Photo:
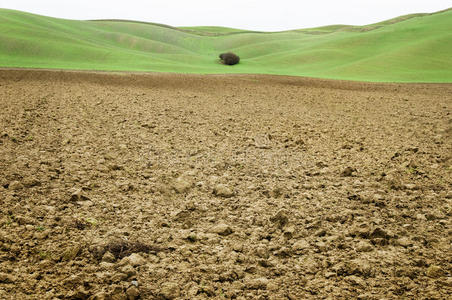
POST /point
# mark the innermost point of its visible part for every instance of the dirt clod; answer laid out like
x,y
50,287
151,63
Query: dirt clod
x,y
71,253
15,185
222,190
7,278
257,283
170,290
434,271
121,248
348,172
132,293
134,260
182,185
77,195
280,219
364,246
222,229
108,257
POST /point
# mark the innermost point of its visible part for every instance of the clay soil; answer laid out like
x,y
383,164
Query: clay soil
x,y
164,186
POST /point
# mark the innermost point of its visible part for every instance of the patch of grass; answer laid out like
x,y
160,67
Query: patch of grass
x,y
44,254
91,221
40,228
414,48
9,218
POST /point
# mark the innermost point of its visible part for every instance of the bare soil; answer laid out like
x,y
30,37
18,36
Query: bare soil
x,y
164,186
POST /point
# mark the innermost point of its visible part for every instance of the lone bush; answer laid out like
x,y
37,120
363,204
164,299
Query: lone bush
x,y
229,58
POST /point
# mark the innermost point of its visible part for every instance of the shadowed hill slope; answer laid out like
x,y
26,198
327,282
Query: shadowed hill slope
x,y
413,48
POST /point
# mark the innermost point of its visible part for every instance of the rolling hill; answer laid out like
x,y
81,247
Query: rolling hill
x,y
412,48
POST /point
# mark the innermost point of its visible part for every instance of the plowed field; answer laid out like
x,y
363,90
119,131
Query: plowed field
x,y
164,186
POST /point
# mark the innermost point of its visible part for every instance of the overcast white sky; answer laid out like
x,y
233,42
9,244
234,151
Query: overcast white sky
x,y
246,14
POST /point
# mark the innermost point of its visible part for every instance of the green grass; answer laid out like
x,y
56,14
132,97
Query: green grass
x,y
413,48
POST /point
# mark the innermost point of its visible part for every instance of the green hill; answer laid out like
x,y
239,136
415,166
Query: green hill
x,y
413,48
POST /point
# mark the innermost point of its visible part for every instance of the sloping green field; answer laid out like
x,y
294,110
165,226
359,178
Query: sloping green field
x,y
414,48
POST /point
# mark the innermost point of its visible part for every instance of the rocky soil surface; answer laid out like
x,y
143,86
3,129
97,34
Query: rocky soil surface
x,y
164,186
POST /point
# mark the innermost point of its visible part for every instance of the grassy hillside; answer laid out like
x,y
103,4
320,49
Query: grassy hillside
x,y
213,30
414,48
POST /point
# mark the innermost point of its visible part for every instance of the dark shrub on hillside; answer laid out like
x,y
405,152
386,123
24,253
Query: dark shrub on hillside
x,y
229,58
